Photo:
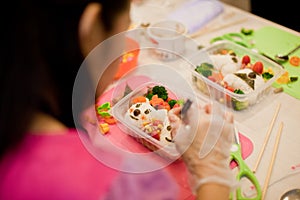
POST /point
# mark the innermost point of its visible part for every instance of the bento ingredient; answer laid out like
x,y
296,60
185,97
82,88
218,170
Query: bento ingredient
x,y
205,69
159,103
139,99
172,103
278,90
158,90
246,59
151,121
110,120
239,105
258,67
267,75
295,61
104,128
246,31
293,78
103,109
284,78
242,80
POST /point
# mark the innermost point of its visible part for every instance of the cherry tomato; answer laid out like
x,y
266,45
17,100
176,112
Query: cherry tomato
x,y
246,59
258,67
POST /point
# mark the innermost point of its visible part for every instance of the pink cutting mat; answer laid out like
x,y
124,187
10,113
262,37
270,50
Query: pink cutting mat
x,y
126,142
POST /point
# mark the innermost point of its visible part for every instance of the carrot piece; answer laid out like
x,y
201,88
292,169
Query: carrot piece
x,y
166,106
110,120
295,61
139,99
156,100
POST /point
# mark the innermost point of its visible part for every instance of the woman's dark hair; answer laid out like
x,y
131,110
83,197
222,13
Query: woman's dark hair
x,y
39,59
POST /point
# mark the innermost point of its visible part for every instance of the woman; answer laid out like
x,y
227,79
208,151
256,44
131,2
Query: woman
x,y
42,157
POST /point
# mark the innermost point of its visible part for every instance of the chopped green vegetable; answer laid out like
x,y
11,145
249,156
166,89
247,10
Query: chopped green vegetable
x,y
246,31
239,105
103,109
172,103
149,96
293,78
267,75
205,69
180,101
105,105
104,114
160,91
238,91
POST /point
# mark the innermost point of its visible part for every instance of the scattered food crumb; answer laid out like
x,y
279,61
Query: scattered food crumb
x,y
278,90
104,128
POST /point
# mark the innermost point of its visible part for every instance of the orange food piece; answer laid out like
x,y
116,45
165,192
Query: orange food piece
x,y
295,61
104,128
166,105
159,103
139,99
217,76
110,120
284,78
156,100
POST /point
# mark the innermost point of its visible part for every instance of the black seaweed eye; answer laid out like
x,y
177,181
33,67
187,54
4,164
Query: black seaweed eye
x,y
147,111
138,105
136,112
252,75
234,59
169,128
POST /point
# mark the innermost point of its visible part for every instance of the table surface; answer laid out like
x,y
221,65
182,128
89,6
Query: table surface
x,y
254,123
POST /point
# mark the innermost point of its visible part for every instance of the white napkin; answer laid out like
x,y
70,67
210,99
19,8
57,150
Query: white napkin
x,y
196,13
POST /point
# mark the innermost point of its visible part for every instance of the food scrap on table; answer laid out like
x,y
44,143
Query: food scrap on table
x,y
285,78
104,128
104,117
295,61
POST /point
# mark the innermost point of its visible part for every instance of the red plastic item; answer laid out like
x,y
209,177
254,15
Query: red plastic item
x,y
129,58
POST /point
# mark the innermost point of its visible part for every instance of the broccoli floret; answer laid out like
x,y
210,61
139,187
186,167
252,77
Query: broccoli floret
x,y
172,103
205,69
149,96
160,91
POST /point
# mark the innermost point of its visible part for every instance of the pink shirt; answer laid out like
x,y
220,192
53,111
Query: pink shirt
x,y
59,167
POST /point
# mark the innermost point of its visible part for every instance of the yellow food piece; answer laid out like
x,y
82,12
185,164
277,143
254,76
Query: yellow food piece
x,y
269,69
284,78
104,128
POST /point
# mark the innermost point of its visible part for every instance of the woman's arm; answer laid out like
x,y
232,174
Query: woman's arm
x,y
213,191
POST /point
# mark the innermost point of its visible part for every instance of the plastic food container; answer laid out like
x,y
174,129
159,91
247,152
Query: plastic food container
x,y
218,89
119,110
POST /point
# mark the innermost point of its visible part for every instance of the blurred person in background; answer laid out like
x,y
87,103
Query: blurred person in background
x,y
285,13
41,154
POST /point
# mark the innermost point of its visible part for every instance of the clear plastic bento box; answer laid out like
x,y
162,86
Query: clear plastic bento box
x,y
144,122
233,74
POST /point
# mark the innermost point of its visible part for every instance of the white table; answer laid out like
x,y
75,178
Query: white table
x,y
254,123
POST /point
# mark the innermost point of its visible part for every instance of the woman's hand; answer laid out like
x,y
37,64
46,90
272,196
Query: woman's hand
x,y
204,139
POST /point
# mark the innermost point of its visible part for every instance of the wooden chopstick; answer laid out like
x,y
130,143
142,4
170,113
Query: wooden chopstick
x,y
272,161
205,31
266,138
